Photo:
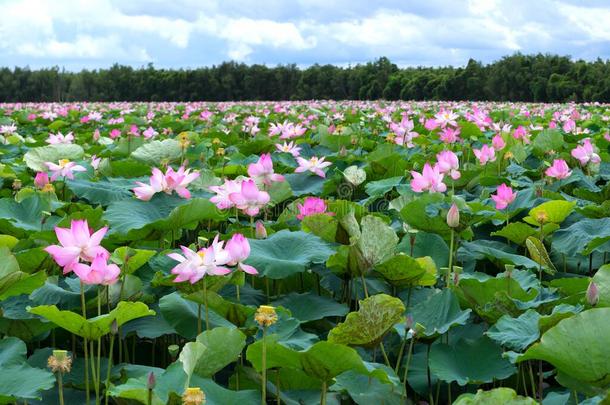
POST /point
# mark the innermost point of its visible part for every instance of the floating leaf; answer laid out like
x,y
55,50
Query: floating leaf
x,y
440,312
516,333
156,152
309,306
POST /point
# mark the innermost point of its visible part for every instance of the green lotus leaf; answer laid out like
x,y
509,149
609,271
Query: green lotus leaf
x,y
375,317
516,333
439,313
578,347
505,396
93,328
155,152
552,211
310,307
287,253
36,158
470,362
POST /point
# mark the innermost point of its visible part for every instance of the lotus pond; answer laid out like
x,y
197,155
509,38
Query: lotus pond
x,y
304,253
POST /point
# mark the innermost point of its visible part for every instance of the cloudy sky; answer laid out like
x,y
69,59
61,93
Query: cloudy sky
x,y
188,33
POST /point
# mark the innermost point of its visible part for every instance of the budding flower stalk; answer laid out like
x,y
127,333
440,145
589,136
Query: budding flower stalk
x,y
592,294
453,216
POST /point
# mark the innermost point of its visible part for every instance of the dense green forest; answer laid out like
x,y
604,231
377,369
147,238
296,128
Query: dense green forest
x,y
541,78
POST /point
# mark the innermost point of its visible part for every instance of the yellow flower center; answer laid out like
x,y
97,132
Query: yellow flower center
x,y
63,162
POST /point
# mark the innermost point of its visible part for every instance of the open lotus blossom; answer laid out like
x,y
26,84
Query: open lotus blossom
x,y
179,180
64,168
262,170
504,196
221,199
586,153
156,184
239,250
558,170
150,133
404,132
99,272
193,266
431,124
431,179
521,133
249,199
172,180
313,165
485,154
59,138
311,206
288,148
76,242
450,135
447,162
446,117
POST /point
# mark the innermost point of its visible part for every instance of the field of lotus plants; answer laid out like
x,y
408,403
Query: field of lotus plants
x,y
304,253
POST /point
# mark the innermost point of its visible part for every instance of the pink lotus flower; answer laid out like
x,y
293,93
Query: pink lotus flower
x,y
221,199
586,153
311,206
404,132
446,117
179,180
262,171
65,169
156,184
559,169
431,179
170,181
498,142
249,199
313,165
77,242
41,180
450,135
431,124
521,133
95,162
115,133
260,230
98,272
239,250
196,265
447,162
485,154
503,197
60,138
288,148
149,133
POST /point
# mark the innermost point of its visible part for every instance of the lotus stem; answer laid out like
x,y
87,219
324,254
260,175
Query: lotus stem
x,y
109,367
264,369
450,268
205,301
323,394
85,343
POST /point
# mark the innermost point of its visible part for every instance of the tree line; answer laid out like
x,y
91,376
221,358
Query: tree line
x,y
538,78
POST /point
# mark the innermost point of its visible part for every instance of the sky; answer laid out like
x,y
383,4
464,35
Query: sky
x,y
189,33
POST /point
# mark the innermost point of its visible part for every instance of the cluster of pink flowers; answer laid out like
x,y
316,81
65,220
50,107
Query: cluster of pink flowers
x,y
172,180
80,251
212,260
431,177
286,130
586,153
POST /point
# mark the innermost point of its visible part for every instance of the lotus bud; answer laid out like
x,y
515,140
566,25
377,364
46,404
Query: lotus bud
x,y
265,316
193,396
453,216
260,231
342,151
60,362
409,321
114,327
592,294
151,381
354,175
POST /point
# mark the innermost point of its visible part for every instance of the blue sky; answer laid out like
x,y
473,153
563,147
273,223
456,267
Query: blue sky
x,y
188,33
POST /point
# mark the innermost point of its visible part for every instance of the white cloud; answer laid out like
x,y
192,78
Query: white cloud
x,y
190,32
